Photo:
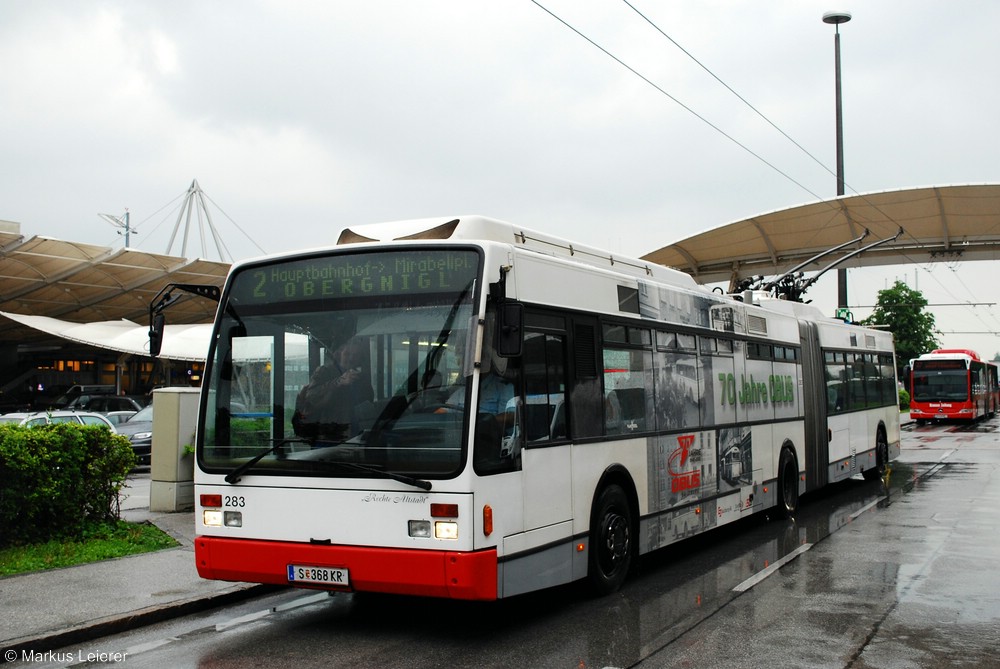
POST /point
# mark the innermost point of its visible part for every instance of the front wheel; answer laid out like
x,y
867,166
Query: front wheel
x,y
612,541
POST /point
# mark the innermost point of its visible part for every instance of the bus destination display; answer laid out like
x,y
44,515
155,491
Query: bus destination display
x,y
358,275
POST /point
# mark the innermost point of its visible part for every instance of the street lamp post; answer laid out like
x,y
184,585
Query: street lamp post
x,y
836,18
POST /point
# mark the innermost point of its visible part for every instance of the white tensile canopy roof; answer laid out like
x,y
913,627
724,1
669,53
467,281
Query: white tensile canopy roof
x,y
86,283
100,296
180,342
951,223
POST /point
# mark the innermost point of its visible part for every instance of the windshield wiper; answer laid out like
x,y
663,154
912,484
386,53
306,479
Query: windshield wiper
x,y
402,478
234,476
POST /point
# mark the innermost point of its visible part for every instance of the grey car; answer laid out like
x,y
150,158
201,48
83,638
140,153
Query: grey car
x,y
139,430
118,417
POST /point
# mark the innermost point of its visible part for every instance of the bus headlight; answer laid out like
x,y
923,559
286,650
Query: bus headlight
x,y
420,529
446,529
443,529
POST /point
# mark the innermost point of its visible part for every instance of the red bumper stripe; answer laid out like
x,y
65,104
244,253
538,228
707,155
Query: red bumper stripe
x,y
395,570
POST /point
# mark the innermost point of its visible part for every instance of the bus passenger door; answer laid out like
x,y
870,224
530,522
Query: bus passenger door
x,y
541,549
546,462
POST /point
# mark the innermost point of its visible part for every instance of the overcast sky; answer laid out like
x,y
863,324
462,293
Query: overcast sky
x,y
297,118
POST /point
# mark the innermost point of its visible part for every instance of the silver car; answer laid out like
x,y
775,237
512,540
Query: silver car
x,y
50,417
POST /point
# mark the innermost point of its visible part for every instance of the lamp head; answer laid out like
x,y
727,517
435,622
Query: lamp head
x,y
836,18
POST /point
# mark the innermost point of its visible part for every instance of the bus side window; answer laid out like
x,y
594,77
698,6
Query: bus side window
x,y
836,382
498,421
498,435
544,406
628,380
585,401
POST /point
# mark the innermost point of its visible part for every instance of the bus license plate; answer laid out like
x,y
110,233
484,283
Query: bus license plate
x,y
325,575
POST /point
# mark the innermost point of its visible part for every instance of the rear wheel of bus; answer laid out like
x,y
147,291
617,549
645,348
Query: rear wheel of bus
x,y
881,458
612,540
788,484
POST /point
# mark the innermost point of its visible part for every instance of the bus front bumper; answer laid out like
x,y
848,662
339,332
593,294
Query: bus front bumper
x,y
455,575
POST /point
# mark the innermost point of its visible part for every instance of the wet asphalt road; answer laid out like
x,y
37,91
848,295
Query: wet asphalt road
x,y
866,576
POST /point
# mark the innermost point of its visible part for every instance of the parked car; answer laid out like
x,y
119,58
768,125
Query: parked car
x,y
119,417
77,391
103,403
139,430
49,417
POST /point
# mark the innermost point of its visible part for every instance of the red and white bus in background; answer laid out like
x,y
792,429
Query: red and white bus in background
x,y
952,384
533,412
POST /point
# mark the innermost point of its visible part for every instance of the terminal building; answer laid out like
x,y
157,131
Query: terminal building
x,y
55,282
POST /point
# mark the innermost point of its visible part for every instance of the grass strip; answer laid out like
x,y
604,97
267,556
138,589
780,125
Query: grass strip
x,y
100,542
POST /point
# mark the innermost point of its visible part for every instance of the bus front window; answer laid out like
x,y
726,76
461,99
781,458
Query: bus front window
x,y
941,386
348,384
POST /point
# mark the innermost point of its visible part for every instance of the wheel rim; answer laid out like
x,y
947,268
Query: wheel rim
x,y
615,538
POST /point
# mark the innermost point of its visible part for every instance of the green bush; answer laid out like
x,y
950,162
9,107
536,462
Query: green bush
x,y
56,481
904,399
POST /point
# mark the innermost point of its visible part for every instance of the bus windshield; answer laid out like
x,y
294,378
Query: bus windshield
x,y
345,364
940,385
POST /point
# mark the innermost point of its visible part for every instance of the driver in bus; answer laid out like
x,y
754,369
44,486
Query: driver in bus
x,y
496,391
497,441
324,407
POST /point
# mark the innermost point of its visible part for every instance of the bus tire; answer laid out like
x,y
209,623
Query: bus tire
x,y
788,484
881,458
612,540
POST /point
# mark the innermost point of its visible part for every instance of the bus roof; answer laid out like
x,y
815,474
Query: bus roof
x,y
955,351
952,352
481,228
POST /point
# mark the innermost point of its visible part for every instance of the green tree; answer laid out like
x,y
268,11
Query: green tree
x,y
902,311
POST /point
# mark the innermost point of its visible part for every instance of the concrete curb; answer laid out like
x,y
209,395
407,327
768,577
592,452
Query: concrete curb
x,y
128,621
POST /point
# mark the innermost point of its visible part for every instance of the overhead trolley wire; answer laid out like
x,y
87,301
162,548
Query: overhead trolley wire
x,y
676,100
704,120
767,120
730,89
707,122
732,139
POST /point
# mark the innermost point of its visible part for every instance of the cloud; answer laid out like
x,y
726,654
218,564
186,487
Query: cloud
x,y
312,115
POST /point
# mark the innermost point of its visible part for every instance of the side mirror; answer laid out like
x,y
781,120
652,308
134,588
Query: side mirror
x,y
156,334
164,299
510,329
